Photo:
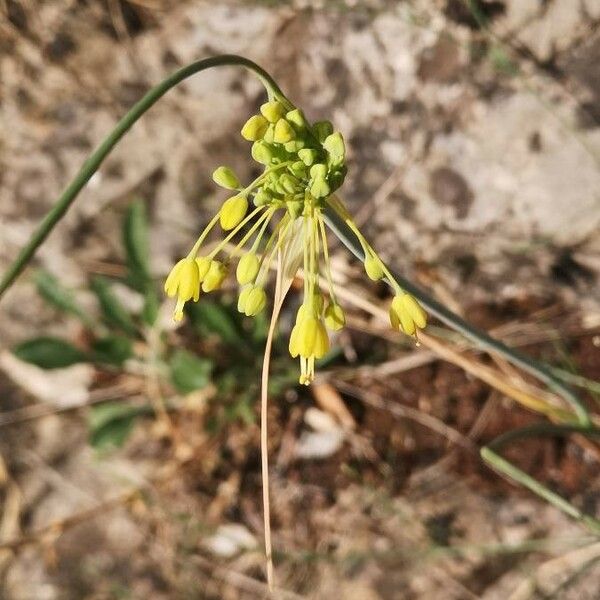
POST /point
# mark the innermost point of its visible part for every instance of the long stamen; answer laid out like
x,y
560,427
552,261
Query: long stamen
x,y
263,220
265,265
203,235
342,212
326,258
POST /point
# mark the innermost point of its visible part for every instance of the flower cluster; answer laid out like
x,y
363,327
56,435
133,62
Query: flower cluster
x,y
304,165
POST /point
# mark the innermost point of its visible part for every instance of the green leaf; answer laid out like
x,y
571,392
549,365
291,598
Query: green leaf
x,y
189,372
110,424
137,246
51,290
112,349
49,353
151,306
213,317
114,312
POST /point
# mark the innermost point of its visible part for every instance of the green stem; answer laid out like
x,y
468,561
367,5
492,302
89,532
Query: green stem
x,y
93,163
480,338
492,457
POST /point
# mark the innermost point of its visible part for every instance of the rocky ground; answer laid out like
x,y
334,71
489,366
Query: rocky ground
x,y
474,166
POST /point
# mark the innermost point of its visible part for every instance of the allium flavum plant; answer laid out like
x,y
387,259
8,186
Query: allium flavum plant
x,y
304,165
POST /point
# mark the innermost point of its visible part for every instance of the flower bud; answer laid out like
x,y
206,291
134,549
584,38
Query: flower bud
x,y
294,146
318,171
322,129
335,319
255,128
296,118
255,301
320,188
414,309
308,156
272,111
233,211
226,178
283,132
247,268
215,276
298,169
262,197
203,263
243,297
334,144
269,136
373,267
262,152
288,183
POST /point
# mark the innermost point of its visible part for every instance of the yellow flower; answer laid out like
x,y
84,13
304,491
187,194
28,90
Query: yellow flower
x,y
215,276
406,314
310,341
184,282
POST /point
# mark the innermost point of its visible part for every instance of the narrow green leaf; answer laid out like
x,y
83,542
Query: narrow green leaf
x,y
51,290
213,317
112,349
110,424
49,353
114,312
151,306
137,246
189,372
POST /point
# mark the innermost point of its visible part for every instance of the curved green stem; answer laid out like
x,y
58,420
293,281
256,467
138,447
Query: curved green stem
x,y
93,163
480,338
490,455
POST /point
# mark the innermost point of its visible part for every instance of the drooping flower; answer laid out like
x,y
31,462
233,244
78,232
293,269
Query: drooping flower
x,y
283,209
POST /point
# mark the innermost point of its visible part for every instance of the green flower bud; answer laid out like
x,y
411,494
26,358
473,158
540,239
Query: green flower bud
x,y
247,268
226,178
255,128
262,152
296,118
334,144
308,156
373,267
294,146
320,188
284,132
255,301
215,276
337,176
272,111
288,183
322,129
318,171
335,318
262,197
233,211
298,169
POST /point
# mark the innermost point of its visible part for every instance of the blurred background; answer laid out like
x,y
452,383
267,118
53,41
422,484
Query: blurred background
x,y
129,448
